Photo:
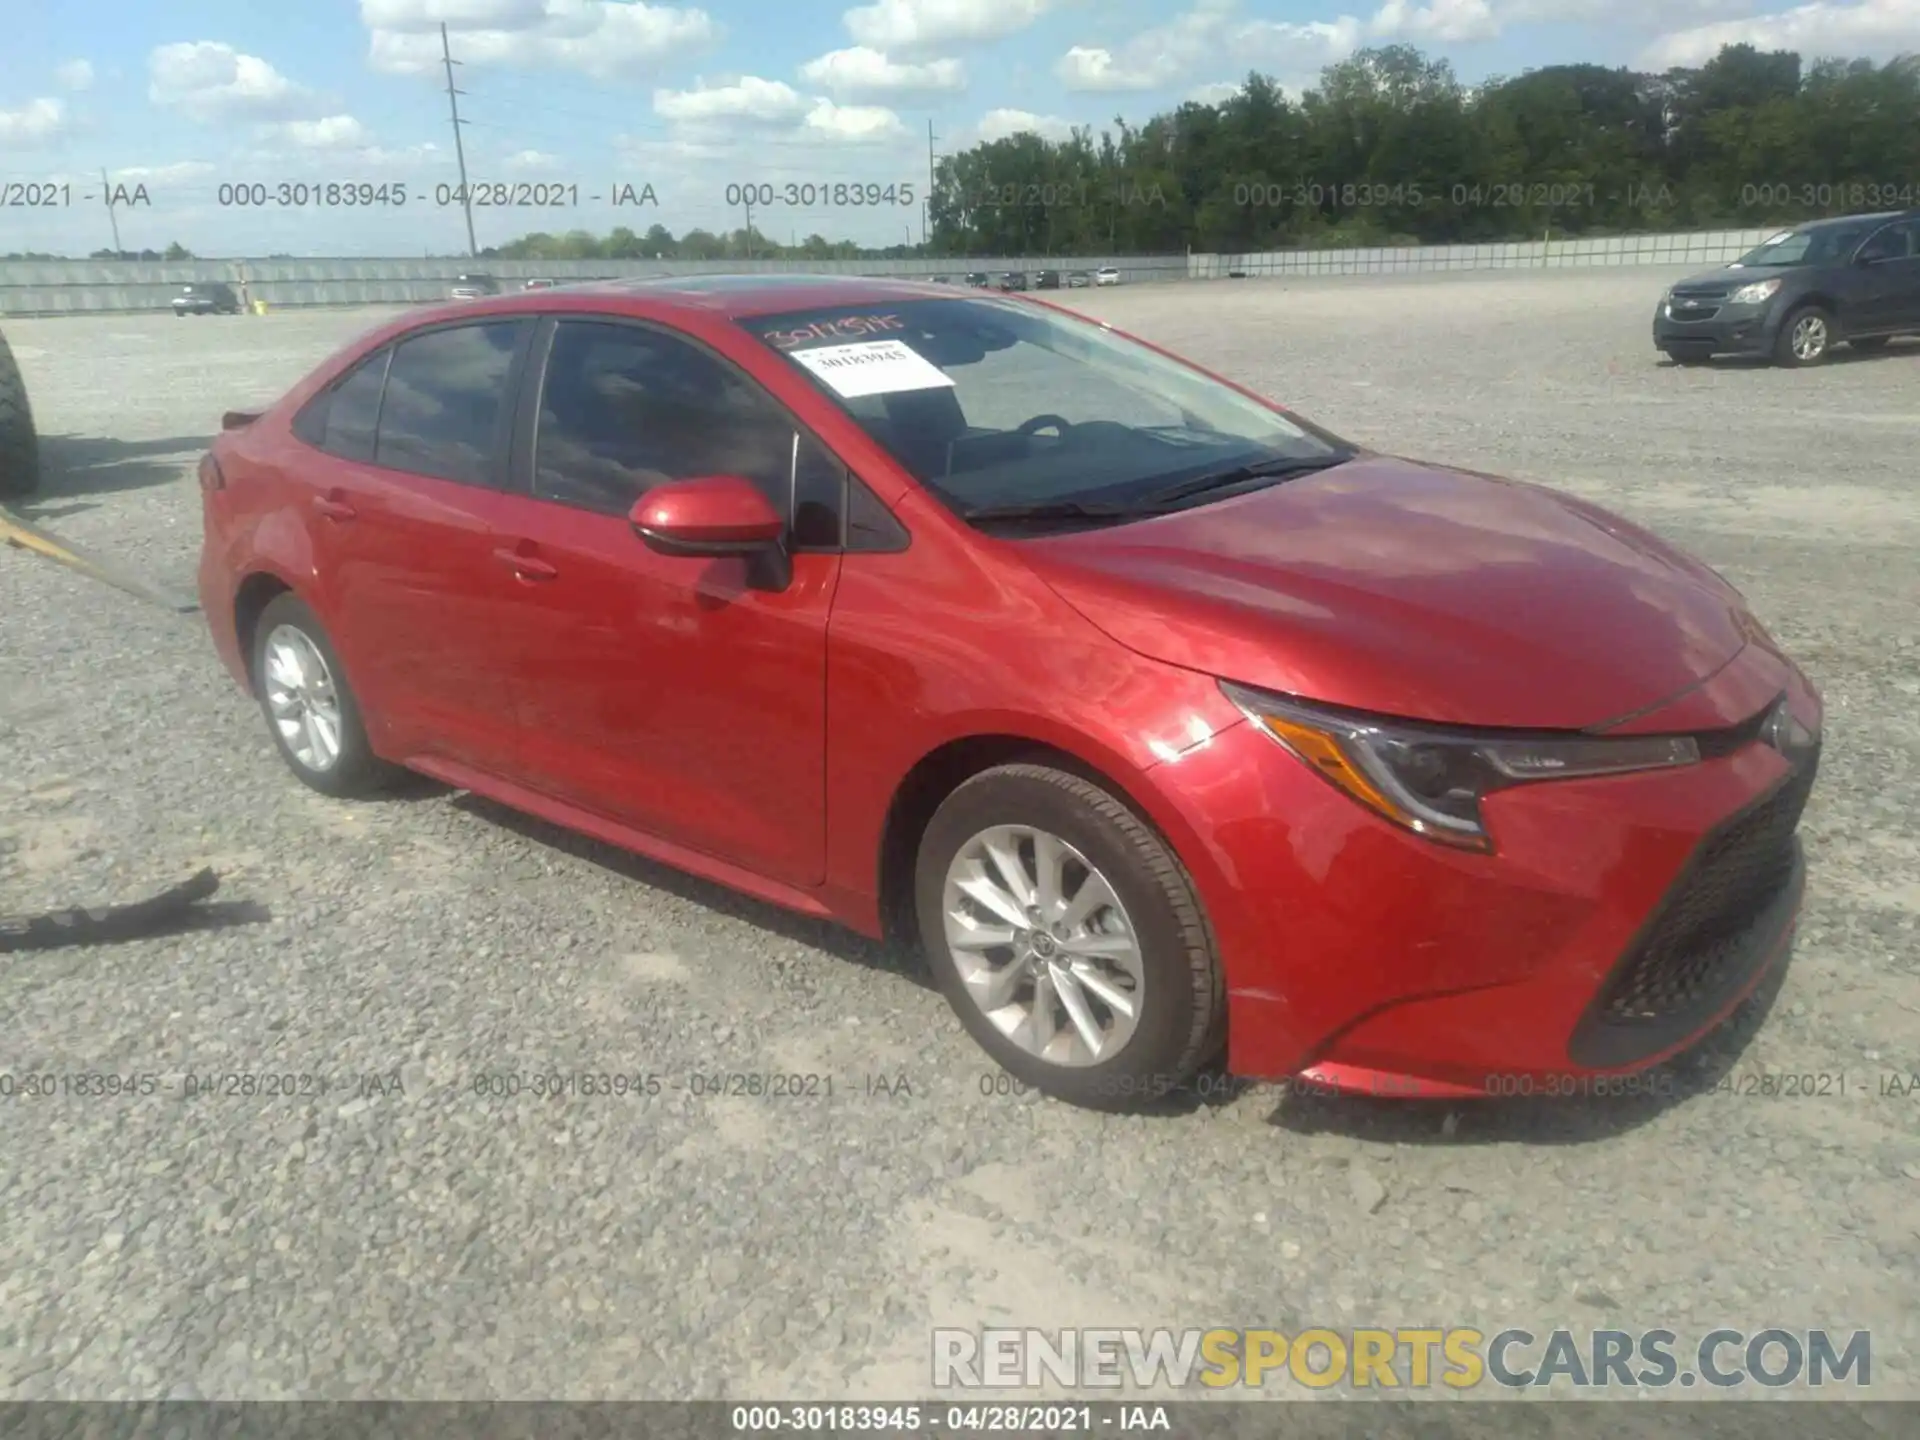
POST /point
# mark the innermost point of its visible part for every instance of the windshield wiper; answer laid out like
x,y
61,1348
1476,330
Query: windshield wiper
x,y
1052,510
1236,475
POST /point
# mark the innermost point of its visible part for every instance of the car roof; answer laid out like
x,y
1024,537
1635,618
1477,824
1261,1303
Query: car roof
x,y
1834,221
737,297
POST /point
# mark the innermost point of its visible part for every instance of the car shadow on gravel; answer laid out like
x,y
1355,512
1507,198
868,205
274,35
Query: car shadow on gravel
x,y
824,935
1542,1117
73,467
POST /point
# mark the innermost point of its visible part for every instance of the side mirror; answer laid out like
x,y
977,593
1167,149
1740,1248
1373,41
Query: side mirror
x,y
716,515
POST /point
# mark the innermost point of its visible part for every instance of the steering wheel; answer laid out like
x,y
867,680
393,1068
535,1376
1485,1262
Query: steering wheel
x,y
1044,422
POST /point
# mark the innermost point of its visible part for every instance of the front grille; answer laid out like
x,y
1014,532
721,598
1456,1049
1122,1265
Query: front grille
x,y
1716,924
1677,311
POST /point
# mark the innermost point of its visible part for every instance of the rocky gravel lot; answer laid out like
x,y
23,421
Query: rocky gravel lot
x,y
401,1236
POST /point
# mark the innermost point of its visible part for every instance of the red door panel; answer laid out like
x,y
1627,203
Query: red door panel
x,y
663,693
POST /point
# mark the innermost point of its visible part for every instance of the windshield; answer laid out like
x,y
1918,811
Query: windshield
x,y
1806,247
993,403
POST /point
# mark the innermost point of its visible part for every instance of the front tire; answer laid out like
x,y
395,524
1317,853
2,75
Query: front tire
x,y
311,711
19,443
1068,938
1806,337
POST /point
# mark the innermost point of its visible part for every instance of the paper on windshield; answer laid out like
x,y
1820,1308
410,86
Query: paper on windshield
x,y
872,367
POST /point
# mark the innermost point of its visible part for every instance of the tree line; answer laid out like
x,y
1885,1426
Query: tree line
x,y
1390,148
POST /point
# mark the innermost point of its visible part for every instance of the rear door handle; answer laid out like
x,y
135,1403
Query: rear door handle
x,y
334,509
527,567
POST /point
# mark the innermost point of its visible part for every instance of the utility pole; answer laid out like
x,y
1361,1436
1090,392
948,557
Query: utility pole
x,y
926,206
459,147
106,194
749,199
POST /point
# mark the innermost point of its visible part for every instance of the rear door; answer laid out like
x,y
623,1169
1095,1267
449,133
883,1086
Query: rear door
x,y
408,529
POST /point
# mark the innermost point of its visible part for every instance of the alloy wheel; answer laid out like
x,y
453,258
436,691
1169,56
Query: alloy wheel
x,y
302,698
1043,945
1809,340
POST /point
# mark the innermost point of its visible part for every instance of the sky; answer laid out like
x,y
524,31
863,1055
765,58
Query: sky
x,y
587,114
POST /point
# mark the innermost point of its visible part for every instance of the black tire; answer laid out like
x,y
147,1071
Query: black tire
x,y
19,444
1182,1021
1868,344
356,770
1783,344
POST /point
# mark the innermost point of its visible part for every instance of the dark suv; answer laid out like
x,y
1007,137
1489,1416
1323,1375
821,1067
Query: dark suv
x,y
1047,280
1854,280
206,299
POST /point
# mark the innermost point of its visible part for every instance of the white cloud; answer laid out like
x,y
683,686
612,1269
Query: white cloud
x,y
917,25
330,132
1215,94
1450,22
861,70
1169,54
75,75
862,124
749,100
604,39
531,160
212,82
1874,29
176,173
1003,124
33,123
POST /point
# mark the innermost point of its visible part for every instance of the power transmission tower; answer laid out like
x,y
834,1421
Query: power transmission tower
x,y
459,147
106,193
926,206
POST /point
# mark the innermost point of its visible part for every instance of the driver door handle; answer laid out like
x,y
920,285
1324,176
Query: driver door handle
x,y
333,507
527,567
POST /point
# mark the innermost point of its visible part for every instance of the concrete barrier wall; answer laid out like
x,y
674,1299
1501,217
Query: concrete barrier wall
x,y
65,287
1698,248
69,287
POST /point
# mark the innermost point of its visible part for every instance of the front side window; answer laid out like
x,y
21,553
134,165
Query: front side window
x,y
992,403
446,401
624,408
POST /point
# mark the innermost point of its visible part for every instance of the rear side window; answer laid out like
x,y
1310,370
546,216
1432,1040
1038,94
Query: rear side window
x,y
345,421
446,402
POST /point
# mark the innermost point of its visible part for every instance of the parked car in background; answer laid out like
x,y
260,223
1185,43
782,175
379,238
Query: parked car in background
x,y
942,279
1106,275
474,287
1183,728
1014,280
1047,280
206,298
541,285
1079,279
979,279
1852,280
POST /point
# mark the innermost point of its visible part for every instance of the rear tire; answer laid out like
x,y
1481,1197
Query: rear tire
x,y
310,708
1805,338
1077,964
19,444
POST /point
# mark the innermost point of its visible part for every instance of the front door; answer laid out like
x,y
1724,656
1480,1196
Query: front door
x,y
668,693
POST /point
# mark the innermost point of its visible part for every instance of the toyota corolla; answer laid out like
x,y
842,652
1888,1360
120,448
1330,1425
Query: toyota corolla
x,y
1173,728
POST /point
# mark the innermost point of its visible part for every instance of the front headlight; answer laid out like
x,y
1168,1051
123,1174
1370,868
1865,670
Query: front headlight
x,y
1755,293
1431,780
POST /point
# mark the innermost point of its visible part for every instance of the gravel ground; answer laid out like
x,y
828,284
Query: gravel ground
x,y
401,1237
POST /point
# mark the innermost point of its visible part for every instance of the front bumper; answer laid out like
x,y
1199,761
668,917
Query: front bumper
x,y
1725,330
1618,921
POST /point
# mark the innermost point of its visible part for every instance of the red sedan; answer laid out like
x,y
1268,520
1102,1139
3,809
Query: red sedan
x,y
1171,726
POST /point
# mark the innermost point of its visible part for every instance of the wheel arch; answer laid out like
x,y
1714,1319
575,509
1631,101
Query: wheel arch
x,y
257,591
946,767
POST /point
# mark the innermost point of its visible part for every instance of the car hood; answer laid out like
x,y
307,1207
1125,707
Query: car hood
x,y
1727,275
1412,590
